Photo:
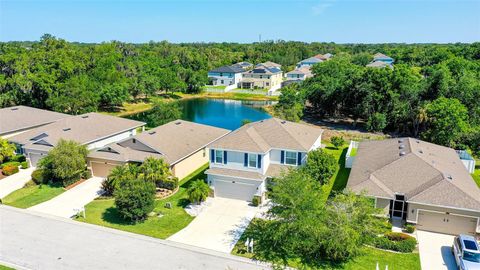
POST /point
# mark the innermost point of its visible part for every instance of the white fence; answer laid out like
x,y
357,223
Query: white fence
x,y
348,157
467,160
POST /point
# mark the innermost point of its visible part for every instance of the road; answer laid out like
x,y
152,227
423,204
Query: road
x,y
38,241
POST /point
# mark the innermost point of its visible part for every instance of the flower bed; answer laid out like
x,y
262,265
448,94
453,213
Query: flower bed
x,y
396,241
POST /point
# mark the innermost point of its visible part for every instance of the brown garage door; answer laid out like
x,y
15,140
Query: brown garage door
x,y
445,223
102,169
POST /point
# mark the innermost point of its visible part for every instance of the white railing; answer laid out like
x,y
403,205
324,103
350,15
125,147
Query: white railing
x,y
348,157
467,160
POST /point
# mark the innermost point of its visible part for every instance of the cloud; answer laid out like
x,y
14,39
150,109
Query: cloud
x,y
321,7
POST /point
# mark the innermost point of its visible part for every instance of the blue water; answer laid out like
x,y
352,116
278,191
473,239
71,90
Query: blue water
x,y
223,113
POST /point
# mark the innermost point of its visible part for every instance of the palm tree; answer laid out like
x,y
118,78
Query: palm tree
x,y
156,170
198,191
7,150
129,171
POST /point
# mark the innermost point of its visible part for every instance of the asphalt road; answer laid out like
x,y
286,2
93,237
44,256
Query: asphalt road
x,y
37,241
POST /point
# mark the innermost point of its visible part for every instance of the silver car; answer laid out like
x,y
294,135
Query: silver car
x,y
466,252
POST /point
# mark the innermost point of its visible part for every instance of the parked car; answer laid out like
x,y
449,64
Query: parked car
x,y
466,251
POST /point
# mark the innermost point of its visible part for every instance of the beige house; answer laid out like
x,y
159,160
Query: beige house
x,y
418,182
18,119
262,77
180,143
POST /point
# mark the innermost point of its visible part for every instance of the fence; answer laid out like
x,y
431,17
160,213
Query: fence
x,y
351,153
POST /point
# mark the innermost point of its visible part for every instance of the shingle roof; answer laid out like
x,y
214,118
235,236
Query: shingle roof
x,y
84,129
228,69
377,64
311,60
425,172
303,70
173,141
264,70
261,136
269,64
381,56
235,173
19,118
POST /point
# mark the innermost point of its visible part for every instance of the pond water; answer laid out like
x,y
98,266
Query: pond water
x,y
223,113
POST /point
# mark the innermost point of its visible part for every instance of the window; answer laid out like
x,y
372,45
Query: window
x,y
252,160
221,81
290,158
221,74
268,84
218,156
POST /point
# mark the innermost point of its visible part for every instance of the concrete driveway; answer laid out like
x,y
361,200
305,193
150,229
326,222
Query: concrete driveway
x,y
13,182
435,251
64,205
219,226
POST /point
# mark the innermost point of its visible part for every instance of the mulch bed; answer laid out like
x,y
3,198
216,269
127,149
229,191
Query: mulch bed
x,y
1,175
75,184
163,193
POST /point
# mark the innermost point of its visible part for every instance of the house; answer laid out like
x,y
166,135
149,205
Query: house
x,y
242,162
18,119
378,64
180,143
225,76
243,65
269,64
299,74
91,129
262,77
383,58
309,62
418,182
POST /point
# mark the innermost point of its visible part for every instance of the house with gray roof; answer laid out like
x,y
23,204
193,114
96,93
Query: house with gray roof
x,y
266,77
309,62
93,130
300,74
242,162
381,60
226,76
418,182
18,119
180,143
243,65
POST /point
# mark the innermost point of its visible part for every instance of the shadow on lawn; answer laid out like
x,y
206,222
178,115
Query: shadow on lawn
x,y
342,176
111,215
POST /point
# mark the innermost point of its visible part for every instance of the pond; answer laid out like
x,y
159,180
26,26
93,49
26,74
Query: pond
x,y
223,113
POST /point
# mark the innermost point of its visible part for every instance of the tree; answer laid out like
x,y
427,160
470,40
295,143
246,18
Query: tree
x,y
65,162
337,141
198,191
134,198
376,122
163,112
110,184
158,171
291,103
321,166
7,150
447,121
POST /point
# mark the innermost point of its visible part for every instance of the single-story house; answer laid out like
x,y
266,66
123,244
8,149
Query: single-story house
x,y
300,74
418,182
225,75
18,119
93,130
242,162
180,143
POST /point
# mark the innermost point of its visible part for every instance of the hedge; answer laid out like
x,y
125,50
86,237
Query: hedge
x,y
37,177
396,241
14,163
9,169
24,165
18,158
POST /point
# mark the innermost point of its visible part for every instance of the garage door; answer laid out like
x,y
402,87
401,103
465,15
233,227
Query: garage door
x,y
102,169
34,158
445,223
235,189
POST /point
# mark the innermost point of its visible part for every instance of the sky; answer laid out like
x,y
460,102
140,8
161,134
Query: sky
x,y
243,21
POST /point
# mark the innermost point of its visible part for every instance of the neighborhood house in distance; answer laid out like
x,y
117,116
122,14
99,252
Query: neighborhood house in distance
x,y
381,60
419,182
242,162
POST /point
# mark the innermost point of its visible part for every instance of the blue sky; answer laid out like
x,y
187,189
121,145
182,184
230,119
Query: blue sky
x,y
353,21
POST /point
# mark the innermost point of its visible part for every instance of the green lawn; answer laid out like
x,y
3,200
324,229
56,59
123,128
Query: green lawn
x,y
32,195
476,174
2,267
340,178
103,212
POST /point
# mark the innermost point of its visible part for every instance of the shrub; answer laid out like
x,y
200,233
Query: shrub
x,y
134,198
320,165
171,183
256,200
38,176
198,191
337,141
24,165
10,169
87,174
396,241
108,186
13,163
409,228
18,158
376,122
396,236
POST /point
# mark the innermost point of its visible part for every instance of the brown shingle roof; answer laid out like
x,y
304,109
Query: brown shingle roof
x,y
19,118
261,136
424,172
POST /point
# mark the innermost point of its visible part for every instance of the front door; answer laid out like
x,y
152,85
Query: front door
x,y
398,207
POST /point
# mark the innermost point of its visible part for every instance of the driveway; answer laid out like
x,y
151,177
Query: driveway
x,y
64,205
435,251
16,181
219,226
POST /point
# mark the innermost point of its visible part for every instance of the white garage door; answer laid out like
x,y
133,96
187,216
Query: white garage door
x,y
102,169
446,223
234,189
34,158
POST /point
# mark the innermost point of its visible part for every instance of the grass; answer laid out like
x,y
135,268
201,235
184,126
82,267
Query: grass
x,y
32,194
340,178
476,174
367,260
103,212
2,267
353,152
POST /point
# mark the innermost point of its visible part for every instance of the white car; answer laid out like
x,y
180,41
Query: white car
x,y
466,252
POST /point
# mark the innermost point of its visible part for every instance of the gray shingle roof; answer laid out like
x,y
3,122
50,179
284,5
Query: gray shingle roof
x,y
425,172
20,118
228,69
261,136
381,56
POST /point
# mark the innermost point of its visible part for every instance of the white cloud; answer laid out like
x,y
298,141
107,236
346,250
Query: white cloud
x,y
321,7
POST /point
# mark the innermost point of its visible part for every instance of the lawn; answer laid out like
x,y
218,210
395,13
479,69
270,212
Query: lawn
x,y
2,267
340,178
476,173
32,195
103,212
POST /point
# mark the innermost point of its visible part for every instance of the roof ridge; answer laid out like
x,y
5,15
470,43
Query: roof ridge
x,y
253,130
289,133
379,183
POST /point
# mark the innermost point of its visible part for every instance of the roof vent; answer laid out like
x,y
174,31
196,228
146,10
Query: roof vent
x,y
402,153
84,116
67,129
152,132
402,146
178,123
14,109
400,141
449,177
283,122
420,151
418,141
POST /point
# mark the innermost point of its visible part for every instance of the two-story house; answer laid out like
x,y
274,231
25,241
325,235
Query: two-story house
x,y
262,77
225,76
309,62
242,162
299,74
381,60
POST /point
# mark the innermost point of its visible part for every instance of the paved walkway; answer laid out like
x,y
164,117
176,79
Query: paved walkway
x,y
219,226
38,241
13,182
435,251
64,205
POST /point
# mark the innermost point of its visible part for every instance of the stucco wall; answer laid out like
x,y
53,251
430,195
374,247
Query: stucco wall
x,y
383,204
111,139
235,160
190,164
